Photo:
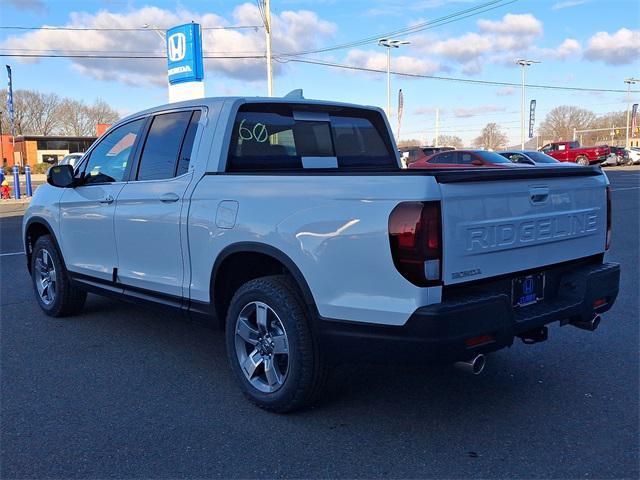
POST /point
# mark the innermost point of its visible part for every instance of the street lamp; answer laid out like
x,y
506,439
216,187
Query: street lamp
x,y
389,44
523,63
629,81
158,30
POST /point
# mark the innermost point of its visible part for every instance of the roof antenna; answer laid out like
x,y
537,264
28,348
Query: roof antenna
x,y
297,93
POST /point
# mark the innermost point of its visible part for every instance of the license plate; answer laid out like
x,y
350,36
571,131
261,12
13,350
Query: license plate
x,y
527,290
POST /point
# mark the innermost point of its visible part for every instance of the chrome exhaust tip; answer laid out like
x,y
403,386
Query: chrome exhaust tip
x,y
589,325
473,366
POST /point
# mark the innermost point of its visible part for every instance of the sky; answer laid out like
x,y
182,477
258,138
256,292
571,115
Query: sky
x,y
580,43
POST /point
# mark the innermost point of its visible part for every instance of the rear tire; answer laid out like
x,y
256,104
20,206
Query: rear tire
x,y
584,161
51,283
271,347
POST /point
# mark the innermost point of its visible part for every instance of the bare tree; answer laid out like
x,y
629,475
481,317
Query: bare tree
x,y
561,121
412,142
491,137
449,141
40,112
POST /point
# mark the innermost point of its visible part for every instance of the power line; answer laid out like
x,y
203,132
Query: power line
x,y
452,17
121,29
452,79
120,57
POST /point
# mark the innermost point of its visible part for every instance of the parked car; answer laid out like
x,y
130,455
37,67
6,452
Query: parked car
x,y
463,159
290,223
572,152
71,159
633,156
531,157
413,154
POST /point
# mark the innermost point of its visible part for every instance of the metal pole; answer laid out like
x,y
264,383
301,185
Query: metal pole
x,y
574,135
437,140
389,82
626,143
267,27
522,112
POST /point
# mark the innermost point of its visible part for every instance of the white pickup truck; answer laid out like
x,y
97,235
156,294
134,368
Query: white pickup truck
x,y
291,222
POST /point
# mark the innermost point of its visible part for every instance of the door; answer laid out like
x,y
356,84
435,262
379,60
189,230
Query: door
x,y
86,211
148,228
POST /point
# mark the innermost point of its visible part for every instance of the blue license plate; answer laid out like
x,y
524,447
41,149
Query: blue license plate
x,y
527,290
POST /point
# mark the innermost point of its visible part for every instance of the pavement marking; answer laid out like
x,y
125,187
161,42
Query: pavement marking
x,y
13,253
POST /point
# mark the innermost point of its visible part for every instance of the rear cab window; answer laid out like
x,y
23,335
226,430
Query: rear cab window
x,y
279,137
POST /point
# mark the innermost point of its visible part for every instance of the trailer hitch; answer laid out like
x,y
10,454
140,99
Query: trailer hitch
x,y
536,335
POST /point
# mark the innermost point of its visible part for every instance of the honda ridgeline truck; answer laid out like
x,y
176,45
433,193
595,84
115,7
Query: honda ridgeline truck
x,y
290,222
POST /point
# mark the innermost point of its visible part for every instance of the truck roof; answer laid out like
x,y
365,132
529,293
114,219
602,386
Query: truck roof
x,y
212,101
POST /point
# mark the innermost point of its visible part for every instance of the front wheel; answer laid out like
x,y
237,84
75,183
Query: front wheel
x,y
582,161
51,284
271,348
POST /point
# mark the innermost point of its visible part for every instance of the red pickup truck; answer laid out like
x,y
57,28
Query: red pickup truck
x,y
572,152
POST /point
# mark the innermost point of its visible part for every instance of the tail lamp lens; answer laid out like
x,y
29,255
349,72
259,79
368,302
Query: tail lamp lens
x,y
415,236
608,241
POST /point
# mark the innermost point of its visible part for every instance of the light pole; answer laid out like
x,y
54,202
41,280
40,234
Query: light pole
x,y
158,31
629,81
523,63
389,44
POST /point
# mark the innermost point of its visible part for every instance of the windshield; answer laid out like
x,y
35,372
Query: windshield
x,y
540,157
492,157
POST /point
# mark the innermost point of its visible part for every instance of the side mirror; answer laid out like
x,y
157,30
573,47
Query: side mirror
x,y
476,162
60,176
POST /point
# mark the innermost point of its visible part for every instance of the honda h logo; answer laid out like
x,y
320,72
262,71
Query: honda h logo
x,y
527,286
177,47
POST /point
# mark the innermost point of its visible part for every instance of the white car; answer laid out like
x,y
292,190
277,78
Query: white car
x,y
72,159
291,222
633,156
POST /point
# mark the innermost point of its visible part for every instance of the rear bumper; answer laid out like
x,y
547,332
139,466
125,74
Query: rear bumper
x,y
447,331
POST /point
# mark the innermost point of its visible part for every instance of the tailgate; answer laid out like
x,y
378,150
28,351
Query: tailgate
x,y
495,227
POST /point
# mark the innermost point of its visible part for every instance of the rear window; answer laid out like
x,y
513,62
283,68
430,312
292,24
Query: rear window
x,y
279,137
492,157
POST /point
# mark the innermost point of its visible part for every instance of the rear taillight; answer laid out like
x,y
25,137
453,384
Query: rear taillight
x,y
608,241
415,236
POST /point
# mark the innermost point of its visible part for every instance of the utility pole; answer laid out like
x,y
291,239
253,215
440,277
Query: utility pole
x,y
389,44
629,81
267,29
437,139
523,63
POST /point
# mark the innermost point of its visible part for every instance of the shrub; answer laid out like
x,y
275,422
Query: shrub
x,y
40,168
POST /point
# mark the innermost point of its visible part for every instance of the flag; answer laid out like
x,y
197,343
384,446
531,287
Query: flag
x,y
634,119
532,117
10,101
400,110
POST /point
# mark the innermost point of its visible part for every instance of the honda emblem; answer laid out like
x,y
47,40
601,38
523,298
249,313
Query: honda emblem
x,y
177,47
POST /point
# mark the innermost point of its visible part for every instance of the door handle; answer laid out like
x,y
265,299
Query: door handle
x,y
108,200
539,194
169,197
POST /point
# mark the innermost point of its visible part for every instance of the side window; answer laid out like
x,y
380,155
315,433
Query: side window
x,y
442,158
187,146
464,158
162,146
109,160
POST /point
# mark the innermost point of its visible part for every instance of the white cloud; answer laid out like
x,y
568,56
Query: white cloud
x,y
567,4
505,91
568,49
293,31
400,63
497,41
463,112
619,48
513,24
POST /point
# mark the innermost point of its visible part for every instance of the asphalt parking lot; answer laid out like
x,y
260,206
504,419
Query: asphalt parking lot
x,y
124,392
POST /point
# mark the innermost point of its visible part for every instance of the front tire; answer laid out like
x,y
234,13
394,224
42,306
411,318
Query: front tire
x,y
271,348
584,161
51,283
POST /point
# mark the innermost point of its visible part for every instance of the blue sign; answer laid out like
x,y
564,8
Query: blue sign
x,y
10,101
532,117
184,54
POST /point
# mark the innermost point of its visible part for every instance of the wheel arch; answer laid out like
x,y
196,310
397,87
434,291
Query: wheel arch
x,y
35,228
255,260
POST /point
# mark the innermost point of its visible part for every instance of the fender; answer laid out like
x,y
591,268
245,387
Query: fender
x,y
255,247
47,225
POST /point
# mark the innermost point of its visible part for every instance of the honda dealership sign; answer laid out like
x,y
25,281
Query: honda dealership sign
x,y
184,54
185,69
